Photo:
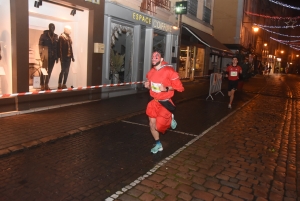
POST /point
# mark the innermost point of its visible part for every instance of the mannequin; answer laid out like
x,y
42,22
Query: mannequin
x,y
48,53
65,53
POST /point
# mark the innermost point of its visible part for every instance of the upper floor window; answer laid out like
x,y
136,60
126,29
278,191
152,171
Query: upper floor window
x,y
207,11
207,3
192,7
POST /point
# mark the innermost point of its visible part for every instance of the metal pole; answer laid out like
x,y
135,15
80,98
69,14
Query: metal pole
x,y
179,41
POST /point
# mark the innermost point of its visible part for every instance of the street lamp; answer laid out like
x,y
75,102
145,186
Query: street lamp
x,y
180,8
255,29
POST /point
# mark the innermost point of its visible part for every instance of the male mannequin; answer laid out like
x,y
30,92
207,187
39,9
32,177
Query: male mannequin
x,y
65,53
48,53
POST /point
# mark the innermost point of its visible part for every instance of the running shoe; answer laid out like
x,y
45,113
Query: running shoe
x,y
158,147
173,122
229,106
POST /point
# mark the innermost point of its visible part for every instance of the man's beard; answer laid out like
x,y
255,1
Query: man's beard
x,y
156,64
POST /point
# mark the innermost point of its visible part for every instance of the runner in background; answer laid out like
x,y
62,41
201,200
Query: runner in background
x,y
233,72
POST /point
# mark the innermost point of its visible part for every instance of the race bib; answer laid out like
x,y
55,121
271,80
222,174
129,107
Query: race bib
x,y
155,87
233,73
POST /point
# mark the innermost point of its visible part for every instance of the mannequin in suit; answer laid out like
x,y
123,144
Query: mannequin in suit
x,y
65,53
48,53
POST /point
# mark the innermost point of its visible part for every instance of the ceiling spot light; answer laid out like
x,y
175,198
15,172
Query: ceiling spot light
x,y
73,12
36,4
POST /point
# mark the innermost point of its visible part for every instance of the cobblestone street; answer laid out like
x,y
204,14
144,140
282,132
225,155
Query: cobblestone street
x,y
251,155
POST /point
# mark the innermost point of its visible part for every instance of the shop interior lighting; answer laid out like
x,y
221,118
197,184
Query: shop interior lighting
x,y
38,3
64,5
73,12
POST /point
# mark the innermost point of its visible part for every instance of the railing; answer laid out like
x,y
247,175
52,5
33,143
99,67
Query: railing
x,y
150,5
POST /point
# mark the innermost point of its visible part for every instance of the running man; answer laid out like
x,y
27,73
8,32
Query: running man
x,y
233,72
162,81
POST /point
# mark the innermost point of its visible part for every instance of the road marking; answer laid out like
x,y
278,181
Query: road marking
x,y
184,133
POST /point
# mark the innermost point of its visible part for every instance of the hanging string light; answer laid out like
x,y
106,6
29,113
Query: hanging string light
x,y
278,27
291,46
285,5
289,41
272,17
276,32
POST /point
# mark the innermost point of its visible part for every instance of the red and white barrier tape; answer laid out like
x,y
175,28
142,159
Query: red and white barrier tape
x,y
68,89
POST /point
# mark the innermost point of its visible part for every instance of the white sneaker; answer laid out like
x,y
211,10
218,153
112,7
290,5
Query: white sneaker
x,y
229,106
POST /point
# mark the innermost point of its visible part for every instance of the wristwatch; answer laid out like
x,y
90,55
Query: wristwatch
x,y
167,89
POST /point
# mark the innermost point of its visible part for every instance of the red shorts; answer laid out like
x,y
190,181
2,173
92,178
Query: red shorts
x,y
161,114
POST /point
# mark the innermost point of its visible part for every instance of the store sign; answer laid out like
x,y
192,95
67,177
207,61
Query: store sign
x,y
181,7
142,18
156,24
93,1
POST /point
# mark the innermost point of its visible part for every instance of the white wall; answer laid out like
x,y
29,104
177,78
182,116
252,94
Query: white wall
x,y
39,19
5,42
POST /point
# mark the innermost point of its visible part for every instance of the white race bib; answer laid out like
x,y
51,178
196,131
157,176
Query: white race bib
x,y
155,87
233,73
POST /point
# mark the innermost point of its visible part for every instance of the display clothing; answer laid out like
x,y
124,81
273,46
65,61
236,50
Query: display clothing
x,y
48,52
65,46
65,53
165,76
65,66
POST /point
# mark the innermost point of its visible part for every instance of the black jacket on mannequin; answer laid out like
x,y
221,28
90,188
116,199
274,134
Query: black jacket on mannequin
x,y
51,42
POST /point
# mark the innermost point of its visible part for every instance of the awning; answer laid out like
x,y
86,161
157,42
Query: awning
x,y
208,40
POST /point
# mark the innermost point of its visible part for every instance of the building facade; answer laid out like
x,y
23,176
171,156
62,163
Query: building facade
x,y
131,31
252,28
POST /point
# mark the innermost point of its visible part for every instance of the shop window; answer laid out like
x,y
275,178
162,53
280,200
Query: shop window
x,y
121,53
42,54
199,67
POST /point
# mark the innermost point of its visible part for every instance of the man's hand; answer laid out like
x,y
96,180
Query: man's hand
x,y
162,88
147,84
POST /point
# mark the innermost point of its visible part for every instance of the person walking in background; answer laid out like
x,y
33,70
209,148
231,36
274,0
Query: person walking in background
x,y
233,73
269,69
162,81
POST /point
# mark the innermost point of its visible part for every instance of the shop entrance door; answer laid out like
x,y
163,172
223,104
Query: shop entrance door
x,y
186,61
191,62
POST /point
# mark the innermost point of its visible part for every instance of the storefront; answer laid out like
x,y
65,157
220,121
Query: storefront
x,y
129,38
23,57
201,54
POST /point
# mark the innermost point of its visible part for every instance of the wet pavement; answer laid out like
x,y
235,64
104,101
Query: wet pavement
x,y
101,150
